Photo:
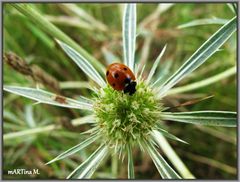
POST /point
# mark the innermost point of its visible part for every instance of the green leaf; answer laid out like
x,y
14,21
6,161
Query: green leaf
x,y
233,7
205,82
70,21
42,36
54,31
206,21
7,115
26,133
201,55
167,134
84,120
130,163
30,120
48,98
75,85
83,64
75,149
154,67
88,167
163,167
211,118
129,34
172,156
83,15
160,9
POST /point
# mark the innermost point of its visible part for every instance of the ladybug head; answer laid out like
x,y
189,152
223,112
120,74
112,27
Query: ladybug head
x,y
130,88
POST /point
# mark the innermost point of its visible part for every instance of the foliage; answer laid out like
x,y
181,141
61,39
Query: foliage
x,y
27,140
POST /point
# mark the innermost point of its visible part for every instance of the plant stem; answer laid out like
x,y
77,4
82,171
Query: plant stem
x,y
114,166
130,163
174,158
32,131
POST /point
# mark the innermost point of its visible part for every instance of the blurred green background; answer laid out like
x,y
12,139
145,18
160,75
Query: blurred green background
x,y
212,151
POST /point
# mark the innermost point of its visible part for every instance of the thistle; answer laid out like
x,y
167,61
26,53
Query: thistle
x,y
122,121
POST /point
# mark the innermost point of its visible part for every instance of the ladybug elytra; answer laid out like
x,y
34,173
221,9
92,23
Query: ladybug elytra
x,y
121,78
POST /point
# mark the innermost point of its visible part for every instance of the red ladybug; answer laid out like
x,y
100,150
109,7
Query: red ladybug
x,y
120,77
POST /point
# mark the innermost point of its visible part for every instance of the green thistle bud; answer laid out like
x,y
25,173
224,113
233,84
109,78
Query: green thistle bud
x,y
122,118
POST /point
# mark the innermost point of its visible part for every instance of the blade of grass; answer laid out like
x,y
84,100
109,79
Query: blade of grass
x,y
211,118
51,29
82,14
69,21
203,83
172,156
46,40
130,163
29,116
83,64
162,166
47,97
13,126
10,43
38,33
218,134
206,21
129,34
232,7
89,166
161,8
21,151
12,117
211,162
43,129
201,55
75,149
29,132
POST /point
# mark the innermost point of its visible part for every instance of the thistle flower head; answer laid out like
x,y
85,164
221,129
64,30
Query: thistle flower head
x,y
124,119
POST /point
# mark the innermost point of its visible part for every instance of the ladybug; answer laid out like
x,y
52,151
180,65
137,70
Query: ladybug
x,y
121,78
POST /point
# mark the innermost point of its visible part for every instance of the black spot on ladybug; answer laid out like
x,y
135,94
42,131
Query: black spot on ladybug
x,y
107,73
113,84
116,75
125,69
